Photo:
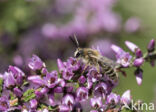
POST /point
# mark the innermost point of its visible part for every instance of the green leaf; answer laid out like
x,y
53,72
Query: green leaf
x,y
28,95
1,85
12,96
25,83
126,110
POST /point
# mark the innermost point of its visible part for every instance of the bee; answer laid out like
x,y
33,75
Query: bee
x,y
92,57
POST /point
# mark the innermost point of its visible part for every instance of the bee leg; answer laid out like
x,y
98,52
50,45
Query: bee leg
x,y
86,66
98,68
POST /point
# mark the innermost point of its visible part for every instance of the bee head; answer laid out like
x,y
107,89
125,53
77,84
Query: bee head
x,y
78,53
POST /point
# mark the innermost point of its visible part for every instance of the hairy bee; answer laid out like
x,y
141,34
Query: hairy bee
x,y
92,57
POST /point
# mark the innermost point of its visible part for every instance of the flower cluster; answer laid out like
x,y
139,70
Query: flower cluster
x,y
88,18
68,88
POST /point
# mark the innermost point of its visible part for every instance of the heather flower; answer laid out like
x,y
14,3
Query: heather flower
x,y
138,74
61,82
94,75
82,93
41,92
68,100
77,107
123,57
44,71
131,46
49,30
64,108
113,99
132,25
73,64
35,63
89,83
17,92
101,89
151,46
67,74
69,89
60,65
126,97
96,102
51,99
36,80
138,53
44,90
33,103
4,104
51,79
138,62
9,79
17,73
58,90
82,79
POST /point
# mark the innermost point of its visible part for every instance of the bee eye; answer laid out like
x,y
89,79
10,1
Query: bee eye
x,y
78,54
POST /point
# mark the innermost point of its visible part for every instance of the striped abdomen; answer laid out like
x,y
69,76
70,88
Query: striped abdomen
x,y
108,69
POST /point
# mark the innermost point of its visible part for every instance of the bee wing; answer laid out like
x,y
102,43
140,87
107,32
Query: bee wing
x,y
108,61
104,61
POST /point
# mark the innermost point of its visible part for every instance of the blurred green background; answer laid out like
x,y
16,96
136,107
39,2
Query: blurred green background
x,y
42,26
145,10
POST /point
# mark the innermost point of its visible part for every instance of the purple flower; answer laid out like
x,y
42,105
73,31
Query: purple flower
x,y
96,102
60,65
82,94
49,30
35,63
123,57
117,49
33,103
69,89
17,73
132,25
61,82
4,104
17,92
100,89
9,79
44,90
151,46
94,75
131,46
73,64
51,79
67,74
41,92
36,80
126,97
68,100
89,83
138,74
58,90
44,71
138,53
138,62
82,79
113,99
134,48
51,99
64,108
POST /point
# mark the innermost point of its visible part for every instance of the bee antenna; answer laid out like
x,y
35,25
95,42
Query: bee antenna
x,y
77,43
74,40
